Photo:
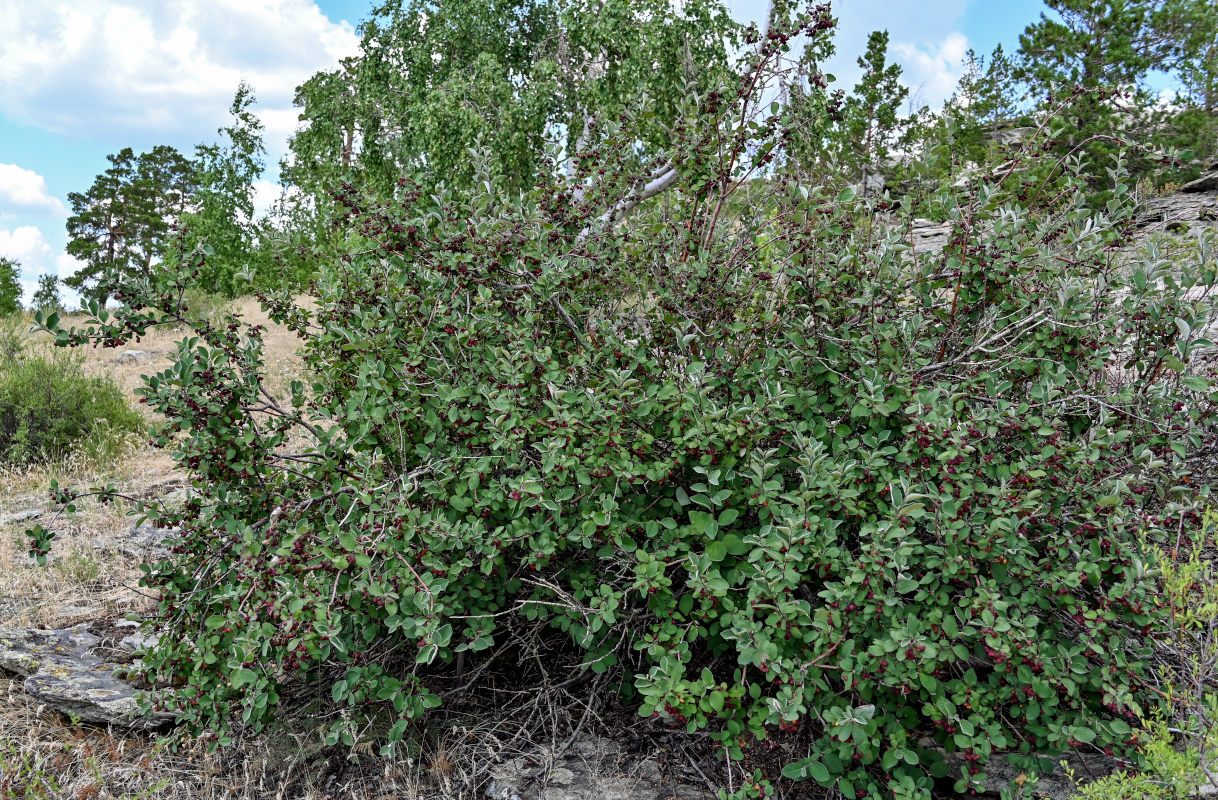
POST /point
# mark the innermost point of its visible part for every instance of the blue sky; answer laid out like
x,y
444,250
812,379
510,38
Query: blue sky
x,y
80,79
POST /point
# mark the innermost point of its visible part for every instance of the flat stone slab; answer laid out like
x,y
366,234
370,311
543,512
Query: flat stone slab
x,y
21,516
61,671
141,542
1206,183
591,769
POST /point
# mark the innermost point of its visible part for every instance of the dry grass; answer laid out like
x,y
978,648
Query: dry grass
x,y
281,346
88,578
45,757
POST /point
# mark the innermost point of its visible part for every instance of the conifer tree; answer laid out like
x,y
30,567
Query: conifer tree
x,y
871,118
1096,54
46,297
10,286
122,223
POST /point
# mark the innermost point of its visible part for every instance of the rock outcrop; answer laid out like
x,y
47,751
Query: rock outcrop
x,y
133,357
1192,208
62,670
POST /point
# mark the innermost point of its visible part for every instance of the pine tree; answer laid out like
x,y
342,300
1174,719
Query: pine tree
x,y
871,115
1192,122
1096,54
122,223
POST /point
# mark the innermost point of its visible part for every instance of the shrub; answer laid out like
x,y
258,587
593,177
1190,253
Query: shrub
x,y
784,476
200,307
49,408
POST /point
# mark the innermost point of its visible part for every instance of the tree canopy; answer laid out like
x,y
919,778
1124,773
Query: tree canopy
x,y
122,223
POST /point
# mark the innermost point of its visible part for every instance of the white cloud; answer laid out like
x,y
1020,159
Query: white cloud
x,y
265,194
66,265
37,257
24,188
166,68
921,38
932,72
25,244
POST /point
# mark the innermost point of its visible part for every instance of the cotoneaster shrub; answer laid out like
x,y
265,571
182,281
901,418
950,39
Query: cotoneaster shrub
x,y
786,477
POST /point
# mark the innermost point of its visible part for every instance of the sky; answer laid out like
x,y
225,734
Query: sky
x,y
80,79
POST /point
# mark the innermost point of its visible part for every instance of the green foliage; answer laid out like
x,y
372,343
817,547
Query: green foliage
x,y
1099,54
871,115
223,213
780,476
46,297
10,286
50,408
122,224
1169,772
1184,736
434,80
863,126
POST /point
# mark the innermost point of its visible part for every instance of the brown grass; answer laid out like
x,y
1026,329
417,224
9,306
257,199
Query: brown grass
x,y
87,574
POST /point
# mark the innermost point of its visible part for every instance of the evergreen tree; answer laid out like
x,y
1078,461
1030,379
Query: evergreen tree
x,y
871,115
1097,54
10,286
122,224
1192,122
984,100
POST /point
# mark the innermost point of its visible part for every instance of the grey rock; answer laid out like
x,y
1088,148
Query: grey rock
x,y
176,497
1206,183
22,516
590,769
138,643
928,236
61,671
1052,784
71,611
1180,212
1013,135
145,542
133,357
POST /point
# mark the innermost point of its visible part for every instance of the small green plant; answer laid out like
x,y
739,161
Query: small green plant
x,y
1168,771
78,566
203,307
1181,738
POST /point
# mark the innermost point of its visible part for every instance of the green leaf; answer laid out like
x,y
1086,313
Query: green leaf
x,y
243,677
